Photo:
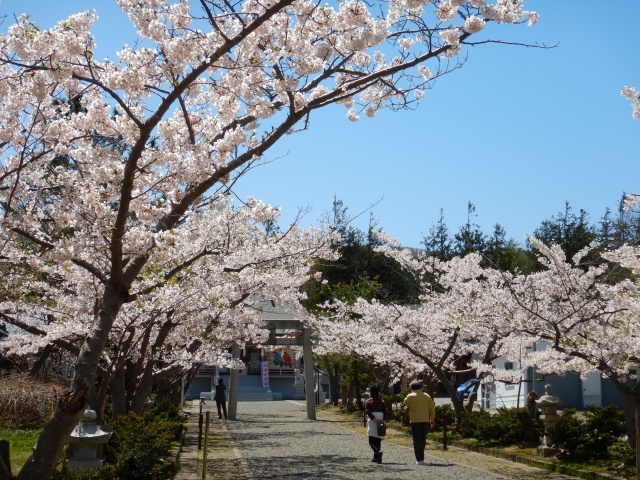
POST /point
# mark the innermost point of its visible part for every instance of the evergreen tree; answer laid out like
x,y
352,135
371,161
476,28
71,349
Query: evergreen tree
x,y
360,271
626,227
438,243
607,232
469,238
505,254
498,251
570,231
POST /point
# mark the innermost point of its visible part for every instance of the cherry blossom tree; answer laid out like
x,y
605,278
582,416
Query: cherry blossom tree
x,y
456,319
588,319
587,316
107,163
186,309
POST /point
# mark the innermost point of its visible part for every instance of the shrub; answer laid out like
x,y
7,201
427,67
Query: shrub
x,y
593,435
140,447
622,452
402,416
445,413
507,426
569,431
517,425
476,424
604,426
391,399
394,399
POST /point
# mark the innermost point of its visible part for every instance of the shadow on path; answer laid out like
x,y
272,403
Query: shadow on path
x,y
274,440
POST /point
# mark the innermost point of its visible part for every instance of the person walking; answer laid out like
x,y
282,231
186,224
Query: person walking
x,y
422,415
221,398
375,412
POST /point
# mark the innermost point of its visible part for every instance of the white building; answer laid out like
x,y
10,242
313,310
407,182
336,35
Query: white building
x,y
570,388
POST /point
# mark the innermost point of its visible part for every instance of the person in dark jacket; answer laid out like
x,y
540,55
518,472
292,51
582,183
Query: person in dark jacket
x,y
375,410
221,398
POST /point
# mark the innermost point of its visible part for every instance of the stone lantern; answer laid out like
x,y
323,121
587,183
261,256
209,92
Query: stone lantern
x,y
86,443
549,417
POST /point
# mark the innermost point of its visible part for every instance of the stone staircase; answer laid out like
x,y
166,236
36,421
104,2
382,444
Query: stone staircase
x,y
249,389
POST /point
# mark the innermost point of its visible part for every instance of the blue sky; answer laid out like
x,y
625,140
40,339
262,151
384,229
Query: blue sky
x,y
517,131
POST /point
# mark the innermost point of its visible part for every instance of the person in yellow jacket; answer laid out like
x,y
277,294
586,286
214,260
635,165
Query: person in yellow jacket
x,y
422,415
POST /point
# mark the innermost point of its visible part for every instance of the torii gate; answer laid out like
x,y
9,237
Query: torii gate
x,y
302,336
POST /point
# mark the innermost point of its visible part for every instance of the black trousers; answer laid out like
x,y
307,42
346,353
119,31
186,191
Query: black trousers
x,y
222,405
375,443
419,433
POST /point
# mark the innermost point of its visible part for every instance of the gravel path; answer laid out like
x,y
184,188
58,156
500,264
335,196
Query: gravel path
x,y
274,440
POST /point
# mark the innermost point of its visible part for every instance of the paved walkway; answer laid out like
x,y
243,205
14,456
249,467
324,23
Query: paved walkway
x,y
274,440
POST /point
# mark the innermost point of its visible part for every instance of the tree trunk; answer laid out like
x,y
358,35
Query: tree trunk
x,y
170,392
102,394
144,371
130,381
458,406
118,394
143,391
5,462
39,364
438,370
191,374
67,414
357,391
430,385
335,385
51,441
471,399
629,404
100,407
344,394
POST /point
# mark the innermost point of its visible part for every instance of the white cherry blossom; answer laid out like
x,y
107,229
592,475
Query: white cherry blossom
x,y
114,226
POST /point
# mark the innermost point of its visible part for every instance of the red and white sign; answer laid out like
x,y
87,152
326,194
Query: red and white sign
x,y
264,367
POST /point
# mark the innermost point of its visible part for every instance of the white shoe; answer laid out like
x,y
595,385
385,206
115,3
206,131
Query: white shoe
x,y
419,462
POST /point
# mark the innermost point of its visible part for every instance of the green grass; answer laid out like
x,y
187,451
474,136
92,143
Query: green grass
x,y
222,463
21,443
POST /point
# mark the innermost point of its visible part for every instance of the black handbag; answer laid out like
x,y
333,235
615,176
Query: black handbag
x,y
382,429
